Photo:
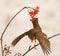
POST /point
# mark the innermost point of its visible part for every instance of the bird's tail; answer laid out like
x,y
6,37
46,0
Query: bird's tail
x,y
45,45
16,40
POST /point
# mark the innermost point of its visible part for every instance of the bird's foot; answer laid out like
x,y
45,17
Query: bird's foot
x,y
35,45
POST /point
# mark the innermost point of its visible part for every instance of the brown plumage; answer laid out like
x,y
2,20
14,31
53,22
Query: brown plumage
x,y
36,33
16,40
41,37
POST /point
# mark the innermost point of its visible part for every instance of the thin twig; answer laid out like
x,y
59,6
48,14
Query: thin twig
x,y
39,44
8,25
54,36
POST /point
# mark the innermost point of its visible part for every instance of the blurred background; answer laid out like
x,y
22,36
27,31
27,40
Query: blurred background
x,y
49,20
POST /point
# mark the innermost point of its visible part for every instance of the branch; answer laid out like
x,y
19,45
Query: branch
x,y
39,44
8,25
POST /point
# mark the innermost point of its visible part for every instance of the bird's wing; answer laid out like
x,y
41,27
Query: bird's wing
x,y
44,42
16,40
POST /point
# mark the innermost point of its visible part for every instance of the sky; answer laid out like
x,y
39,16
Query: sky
x,y
49,20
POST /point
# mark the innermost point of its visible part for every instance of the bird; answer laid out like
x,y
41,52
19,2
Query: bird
x,y
36,33
41,37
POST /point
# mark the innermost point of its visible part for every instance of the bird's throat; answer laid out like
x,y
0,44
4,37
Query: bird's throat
x,y
35,23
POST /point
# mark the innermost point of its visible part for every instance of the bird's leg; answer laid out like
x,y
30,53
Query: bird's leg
x,y
29,47
35,43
